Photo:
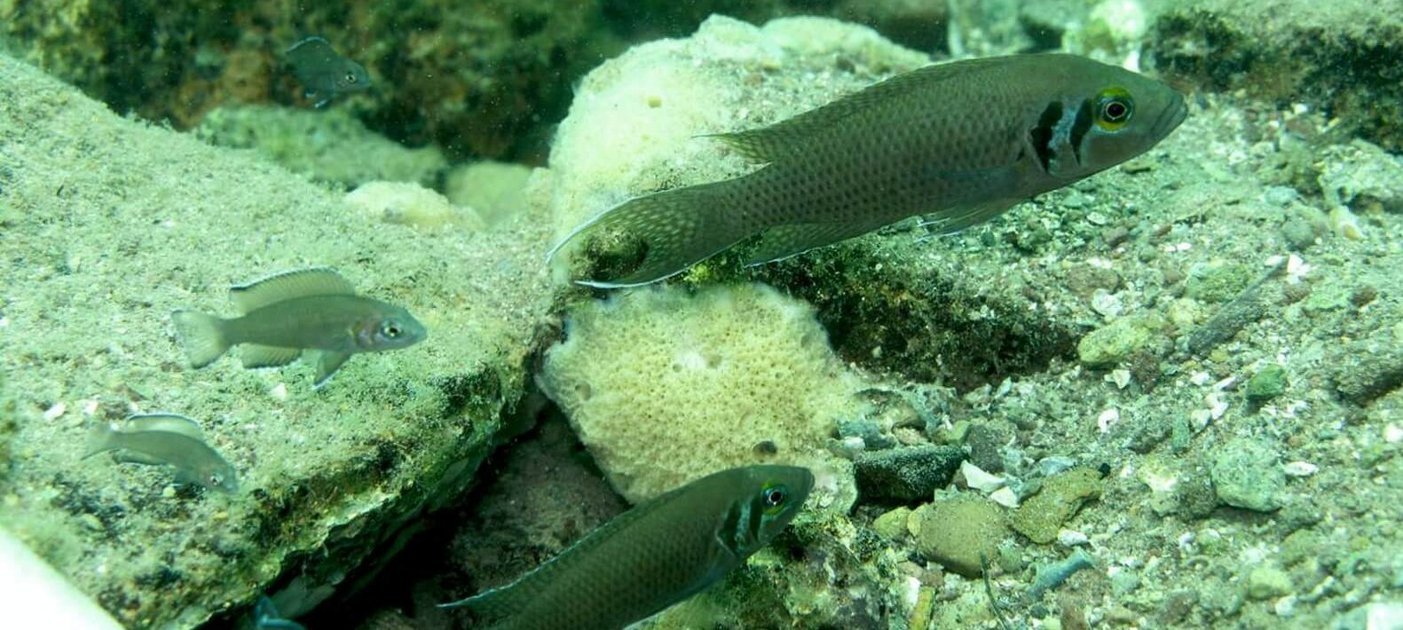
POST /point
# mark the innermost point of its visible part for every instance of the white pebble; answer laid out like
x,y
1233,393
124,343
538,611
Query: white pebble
x,y
279,392
1120,376
1393,433
53,413
1106,304
1300,469
979,479
1005,497
1071,538
1107,418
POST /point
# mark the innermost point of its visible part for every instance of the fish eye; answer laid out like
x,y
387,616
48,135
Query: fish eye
x,y
775,496
391,330
352,78
1114,108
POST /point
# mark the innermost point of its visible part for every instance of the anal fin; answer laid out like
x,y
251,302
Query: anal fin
x,y
256,356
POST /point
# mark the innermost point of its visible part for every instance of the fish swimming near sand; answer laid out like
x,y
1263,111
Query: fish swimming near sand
x,y
652,556
313,310
166,439
961,142
323,72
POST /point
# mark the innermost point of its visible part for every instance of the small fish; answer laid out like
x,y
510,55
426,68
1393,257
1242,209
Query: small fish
x,y
964,140
323,72
652,556
284,314
267,617
166,439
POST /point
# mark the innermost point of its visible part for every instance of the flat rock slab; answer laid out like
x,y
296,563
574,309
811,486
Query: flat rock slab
x,y
106,226
1339,57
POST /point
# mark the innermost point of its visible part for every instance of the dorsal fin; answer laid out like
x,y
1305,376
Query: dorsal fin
x,y
790,137
168,422
288,285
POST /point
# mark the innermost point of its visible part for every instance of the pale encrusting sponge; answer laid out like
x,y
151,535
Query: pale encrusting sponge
x,y
664,387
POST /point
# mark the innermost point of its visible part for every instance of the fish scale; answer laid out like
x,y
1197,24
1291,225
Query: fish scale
x,y
648,558
961,141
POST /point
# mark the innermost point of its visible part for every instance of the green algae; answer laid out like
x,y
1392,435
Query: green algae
x,y
1043,514
960,532
1268,383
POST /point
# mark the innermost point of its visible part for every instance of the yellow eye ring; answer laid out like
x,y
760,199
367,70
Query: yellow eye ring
x,y
774,496
1114,108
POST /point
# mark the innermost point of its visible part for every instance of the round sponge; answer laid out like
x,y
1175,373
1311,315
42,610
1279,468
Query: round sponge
x,y
665,386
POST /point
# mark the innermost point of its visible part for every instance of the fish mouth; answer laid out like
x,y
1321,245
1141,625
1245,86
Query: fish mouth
x,y
1171,117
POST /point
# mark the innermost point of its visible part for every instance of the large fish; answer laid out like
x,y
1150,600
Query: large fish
x,y
652,556
311,309
960,141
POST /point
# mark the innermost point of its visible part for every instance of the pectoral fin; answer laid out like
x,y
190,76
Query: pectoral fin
x,y
328,361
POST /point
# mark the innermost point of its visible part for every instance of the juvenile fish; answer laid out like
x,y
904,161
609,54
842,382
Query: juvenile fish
x,y
166,439
652,556
314,310
323,72
963,141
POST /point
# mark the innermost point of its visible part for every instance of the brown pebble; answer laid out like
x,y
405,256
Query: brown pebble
x,y
1363,296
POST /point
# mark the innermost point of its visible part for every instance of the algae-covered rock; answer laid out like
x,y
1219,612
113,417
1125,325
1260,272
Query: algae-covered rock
x,y
9,427
1325,55
1247,474
146,221
1043,514
485,79
405,203
496,190
1110,344
958,531
908,473
1268,383
329,146
1218,281
891,525
1267,582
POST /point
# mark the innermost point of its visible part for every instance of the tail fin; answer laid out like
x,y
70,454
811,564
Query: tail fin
x,y
201,335
99,439
676,228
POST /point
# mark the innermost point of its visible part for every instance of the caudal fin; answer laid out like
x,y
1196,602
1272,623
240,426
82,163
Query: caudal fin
x,y
201,335
100,438
675,229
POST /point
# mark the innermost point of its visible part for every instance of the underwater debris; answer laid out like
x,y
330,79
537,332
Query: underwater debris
x,y
961,141
287,313
1053,575
1249,306
323,72
653,556
165,439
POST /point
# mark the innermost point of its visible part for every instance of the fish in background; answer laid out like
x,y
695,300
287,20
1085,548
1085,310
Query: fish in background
x,y
657,554
282,316
165,439
960,141
323,72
